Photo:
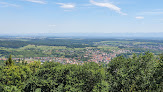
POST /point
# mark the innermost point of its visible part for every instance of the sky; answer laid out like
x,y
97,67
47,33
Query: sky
x,y
81,16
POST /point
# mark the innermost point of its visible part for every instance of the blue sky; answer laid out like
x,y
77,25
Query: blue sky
x,y
83,16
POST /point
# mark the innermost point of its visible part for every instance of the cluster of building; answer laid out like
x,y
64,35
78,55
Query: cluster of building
x,y
92,55
96,56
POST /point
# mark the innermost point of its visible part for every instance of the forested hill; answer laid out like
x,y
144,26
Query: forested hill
x,y
72,43
143,73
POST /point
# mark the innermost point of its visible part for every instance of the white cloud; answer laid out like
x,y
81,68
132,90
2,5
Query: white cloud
x,y
37,1
67,6
4,4
139,17
108,5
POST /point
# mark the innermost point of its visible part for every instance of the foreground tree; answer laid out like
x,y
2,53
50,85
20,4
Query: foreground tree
x,y
9,62
138,73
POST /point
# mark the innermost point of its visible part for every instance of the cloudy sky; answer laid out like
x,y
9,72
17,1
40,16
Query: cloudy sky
x,y
83,16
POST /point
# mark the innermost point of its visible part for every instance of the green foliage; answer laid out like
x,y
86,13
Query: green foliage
x,y
11,89
139,73
15,75
71,43
9,62
34,66
134,74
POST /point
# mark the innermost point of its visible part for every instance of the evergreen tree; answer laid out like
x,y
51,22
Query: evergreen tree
x,y
23,62
9,62
26,63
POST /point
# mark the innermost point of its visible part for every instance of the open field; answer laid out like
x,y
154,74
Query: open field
x,y
76,48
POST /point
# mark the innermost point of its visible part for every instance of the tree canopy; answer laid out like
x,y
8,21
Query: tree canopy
x,y
137,73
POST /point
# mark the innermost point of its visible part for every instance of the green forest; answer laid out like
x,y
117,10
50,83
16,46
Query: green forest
x,y
45,47
139,73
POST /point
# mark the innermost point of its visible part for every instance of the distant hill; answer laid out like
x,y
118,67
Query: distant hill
x,y
91,35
